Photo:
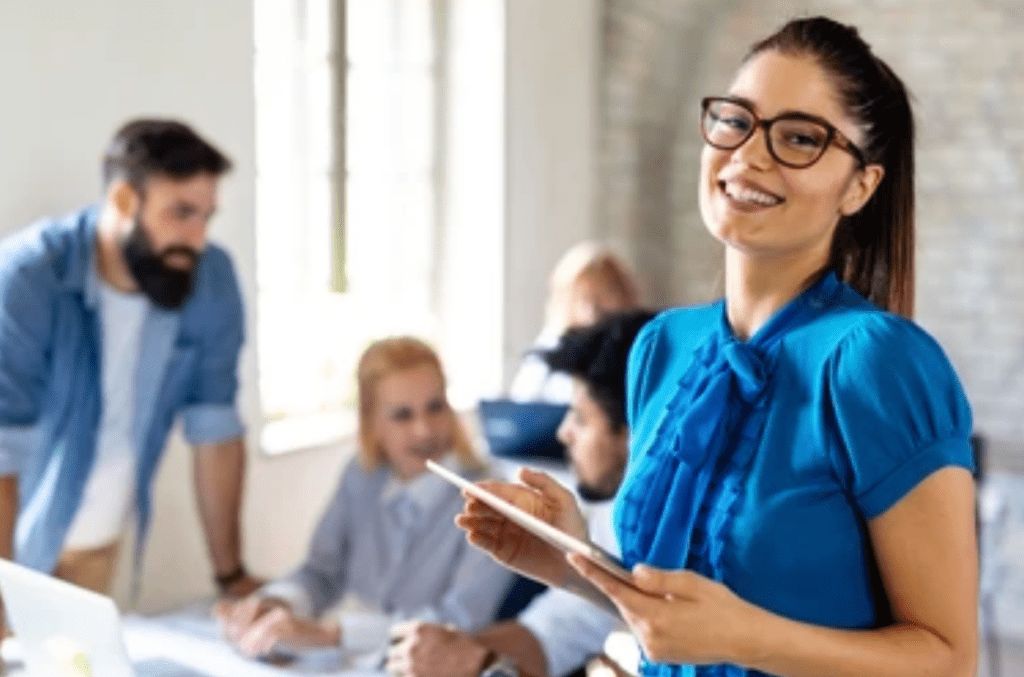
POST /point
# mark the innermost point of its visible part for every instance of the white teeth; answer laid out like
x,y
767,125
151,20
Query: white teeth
x,y
750,195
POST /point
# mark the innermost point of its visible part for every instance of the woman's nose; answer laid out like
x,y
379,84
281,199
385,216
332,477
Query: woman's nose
x,y
754,151
421,427
564,433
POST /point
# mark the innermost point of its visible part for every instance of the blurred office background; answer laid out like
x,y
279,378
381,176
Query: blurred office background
x,y
419,166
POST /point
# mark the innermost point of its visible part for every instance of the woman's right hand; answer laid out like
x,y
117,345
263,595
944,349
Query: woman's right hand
x,y
515,547
239,616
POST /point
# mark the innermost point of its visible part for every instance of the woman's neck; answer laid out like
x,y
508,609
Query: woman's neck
x,y
756,289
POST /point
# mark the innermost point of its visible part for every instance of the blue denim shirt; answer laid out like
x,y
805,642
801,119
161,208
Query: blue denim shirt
x,y
50,385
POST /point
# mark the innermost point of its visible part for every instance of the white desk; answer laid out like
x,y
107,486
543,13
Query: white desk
x,y
191,637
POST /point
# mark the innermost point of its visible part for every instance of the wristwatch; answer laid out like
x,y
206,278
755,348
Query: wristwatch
x,y
503,667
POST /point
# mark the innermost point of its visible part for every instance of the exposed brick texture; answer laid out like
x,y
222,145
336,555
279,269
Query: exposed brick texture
x,y
963,60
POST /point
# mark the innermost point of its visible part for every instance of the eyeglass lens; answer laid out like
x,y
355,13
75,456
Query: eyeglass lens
x,y
792,141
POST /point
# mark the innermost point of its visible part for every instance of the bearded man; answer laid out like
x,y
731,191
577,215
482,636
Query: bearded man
x,y
115,321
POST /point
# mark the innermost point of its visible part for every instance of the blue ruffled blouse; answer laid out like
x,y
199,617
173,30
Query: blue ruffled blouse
x,y
758,464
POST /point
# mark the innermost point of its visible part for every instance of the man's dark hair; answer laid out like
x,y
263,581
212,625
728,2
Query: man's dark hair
x,y
147,147
597,355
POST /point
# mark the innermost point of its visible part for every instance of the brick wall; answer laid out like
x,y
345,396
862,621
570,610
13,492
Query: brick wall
x,y
963,60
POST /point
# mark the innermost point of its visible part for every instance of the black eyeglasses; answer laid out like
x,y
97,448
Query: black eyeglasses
x,y
795,140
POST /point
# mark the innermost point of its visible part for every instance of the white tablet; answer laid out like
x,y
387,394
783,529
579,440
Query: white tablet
x,y
539,527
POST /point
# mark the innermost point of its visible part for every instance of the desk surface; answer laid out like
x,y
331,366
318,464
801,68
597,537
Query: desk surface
x,y
191,637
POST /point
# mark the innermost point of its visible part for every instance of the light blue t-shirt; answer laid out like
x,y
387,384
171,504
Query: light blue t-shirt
x,y
758,464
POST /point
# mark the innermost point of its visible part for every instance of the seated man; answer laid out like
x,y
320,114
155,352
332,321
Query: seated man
x,y
559,631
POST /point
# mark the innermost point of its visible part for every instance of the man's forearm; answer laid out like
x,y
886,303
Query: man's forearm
x,y
219,481
513,640
8,514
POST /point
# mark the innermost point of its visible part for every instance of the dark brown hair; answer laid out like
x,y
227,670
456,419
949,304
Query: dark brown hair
x,y
873,250
146,147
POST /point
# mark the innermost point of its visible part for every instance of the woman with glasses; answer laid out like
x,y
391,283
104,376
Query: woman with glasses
x,y
799,489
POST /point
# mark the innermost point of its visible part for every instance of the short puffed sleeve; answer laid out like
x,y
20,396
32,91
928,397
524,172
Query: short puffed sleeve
x,y
639,371
898,411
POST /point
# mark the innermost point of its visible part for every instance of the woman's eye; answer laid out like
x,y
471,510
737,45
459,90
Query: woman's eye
x,y
184,212
401,415
804,140
739,123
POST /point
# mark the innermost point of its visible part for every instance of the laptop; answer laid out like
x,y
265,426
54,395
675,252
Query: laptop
x,y
69,631
522,429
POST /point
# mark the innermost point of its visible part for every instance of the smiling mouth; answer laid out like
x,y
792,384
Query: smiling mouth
x,y
426,452
746,198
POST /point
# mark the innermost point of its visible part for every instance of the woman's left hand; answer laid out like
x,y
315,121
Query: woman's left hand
x,y
678,616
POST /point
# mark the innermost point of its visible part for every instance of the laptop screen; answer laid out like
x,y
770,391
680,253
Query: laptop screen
x,y
523,429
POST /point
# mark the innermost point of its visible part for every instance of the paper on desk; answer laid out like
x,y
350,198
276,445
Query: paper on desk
x,y
196,643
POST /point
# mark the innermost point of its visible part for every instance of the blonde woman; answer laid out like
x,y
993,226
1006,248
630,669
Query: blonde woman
x,y
386,549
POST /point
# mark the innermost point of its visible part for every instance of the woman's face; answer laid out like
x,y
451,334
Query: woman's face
x,y
412,421
764,209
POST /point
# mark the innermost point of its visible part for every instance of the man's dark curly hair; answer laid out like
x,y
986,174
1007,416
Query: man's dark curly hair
x,y
597,355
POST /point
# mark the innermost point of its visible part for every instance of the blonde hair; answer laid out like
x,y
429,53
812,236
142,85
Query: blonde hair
x,y
381,359
593,262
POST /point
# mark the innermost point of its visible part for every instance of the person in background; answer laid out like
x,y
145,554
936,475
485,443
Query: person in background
x,y
558,632
115,321
799,498
386,549
588,282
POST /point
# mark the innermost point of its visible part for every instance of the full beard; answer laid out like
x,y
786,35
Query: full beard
x,y
167,286
593,493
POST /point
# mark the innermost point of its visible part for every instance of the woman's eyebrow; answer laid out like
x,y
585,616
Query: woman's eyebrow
x,y
788,111
745,101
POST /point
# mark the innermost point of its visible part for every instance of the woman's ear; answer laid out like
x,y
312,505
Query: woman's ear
x,y
862,187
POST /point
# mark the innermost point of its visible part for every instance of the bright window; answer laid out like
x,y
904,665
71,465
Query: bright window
x,y
353,177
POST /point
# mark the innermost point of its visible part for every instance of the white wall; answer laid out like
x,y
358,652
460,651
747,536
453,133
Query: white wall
x,y
73,71
552,103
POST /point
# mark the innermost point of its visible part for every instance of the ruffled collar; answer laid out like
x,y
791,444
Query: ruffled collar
x,y
679,497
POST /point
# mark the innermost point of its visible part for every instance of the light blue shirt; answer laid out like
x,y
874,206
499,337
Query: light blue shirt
x,y
50,374
760,463
569,628
392,552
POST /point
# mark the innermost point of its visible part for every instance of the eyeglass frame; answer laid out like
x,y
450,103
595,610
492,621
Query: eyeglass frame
x,y
833,135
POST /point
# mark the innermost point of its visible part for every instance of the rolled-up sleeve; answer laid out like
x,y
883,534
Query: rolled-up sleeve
x,y
212,423
569,629
210,414
16,444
